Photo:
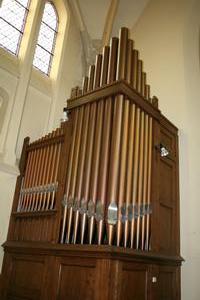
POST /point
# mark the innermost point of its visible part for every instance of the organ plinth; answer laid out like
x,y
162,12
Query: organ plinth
x,y
96,207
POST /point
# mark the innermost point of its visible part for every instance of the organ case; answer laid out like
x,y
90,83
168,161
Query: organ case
x,y
97,200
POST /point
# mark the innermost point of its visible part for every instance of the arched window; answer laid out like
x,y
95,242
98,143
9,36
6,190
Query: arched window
x,y
46,40
13,15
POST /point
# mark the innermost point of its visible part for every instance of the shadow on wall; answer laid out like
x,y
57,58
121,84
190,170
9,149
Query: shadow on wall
x,y
4,98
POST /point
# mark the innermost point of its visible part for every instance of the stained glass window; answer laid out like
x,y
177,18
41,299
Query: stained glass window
x,y
46,39
13,15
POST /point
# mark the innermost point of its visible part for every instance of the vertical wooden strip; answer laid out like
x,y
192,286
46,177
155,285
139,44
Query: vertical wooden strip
x,y
69,170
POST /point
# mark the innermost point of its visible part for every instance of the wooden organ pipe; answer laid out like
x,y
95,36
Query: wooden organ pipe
x,y
116,133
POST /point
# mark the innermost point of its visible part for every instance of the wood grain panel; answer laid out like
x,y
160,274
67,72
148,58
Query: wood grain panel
x,y
26,278
134,282
76,280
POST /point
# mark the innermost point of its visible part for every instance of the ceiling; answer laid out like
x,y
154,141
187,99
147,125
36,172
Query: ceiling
x,y
94,13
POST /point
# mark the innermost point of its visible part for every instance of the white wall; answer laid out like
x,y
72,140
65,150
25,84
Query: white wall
x,y
34,102
167,35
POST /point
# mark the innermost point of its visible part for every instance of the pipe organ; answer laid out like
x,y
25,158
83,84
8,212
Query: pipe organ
x,y
96,207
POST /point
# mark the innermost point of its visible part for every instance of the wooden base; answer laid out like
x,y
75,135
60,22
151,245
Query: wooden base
x,y
44,271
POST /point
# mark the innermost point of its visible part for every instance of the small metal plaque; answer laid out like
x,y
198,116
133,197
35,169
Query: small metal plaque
x,y
112,213
91,209
83,208
99,211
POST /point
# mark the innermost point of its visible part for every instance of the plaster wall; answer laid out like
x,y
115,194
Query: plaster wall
x,y
167,35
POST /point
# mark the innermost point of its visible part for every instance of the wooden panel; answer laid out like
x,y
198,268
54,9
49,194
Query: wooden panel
x,y
26,278
134,282
166,177
167,194
77,280
167,284
166,232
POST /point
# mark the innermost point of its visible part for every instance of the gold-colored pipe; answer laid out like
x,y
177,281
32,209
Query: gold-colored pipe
x,y
82,157
95,163
26,178
140,178
108,76
74,171
135,174
54,176
87,169
96,147
105,62
113,60
103,171
124,146
129,168
34,180
149,184
139,77
91,78
116,130
144,196
134,69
